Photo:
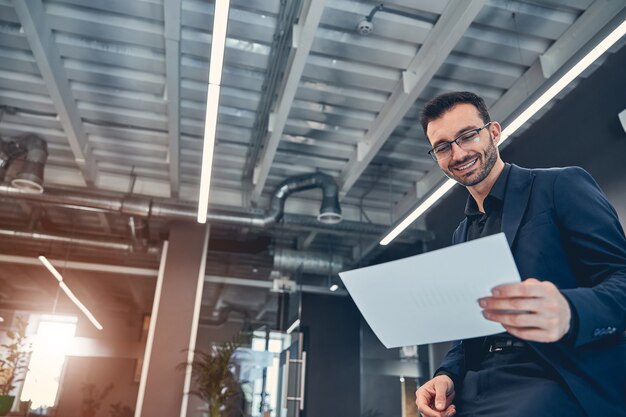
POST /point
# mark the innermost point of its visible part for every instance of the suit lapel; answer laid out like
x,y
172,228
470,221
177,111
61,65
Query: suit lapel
x,y
516,199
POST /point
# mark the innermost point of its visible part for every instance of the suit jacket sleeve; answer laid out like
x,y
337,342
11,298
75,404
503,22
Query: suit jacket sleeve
x,y
596,245
453,363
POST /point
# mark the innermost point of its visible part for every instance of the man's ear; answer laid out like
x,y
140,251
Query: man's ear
x,y
496,131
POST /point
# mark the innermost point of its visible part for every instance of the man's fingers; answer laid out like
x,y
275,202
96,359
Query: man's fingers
x,y
442,397
528,288
511,304
520,320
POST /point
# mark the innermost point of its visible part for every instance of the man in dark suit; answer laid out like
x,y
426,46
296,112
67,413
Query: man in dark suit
x,y
564,350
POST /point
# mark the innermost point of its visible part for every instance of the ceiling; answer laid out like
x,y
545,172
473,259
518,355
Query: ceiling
x,y
117,90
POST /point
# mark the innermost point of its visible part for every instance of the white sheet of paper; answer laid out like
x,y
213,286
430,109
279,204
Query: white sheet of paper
x,y
433,297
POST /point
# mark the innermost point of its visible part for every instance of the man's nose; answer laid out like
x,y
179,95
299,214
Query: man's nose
x,y
456,152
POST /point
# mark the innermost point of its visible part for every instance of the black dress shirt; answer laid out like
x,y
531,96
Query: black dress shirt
x,y
481,224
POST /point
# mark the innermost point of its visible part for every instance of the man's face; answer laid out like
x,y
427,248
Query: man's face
x,y
471,165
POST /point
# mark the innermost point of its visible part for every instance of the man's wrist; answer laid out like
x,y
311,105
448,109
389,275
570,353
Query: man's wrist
x,y
570,336
450,375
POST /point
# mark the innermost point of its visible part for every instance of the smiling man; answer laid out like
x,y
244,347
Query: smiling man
x,y
564,349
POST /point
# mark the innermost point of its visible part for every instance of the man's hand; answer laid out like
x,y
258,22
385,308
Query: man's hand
x,y
531,310
434,398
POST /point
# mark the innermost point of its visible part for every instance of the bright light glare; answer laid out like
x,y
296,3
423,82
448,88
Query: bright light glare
x,y
46,363
529,112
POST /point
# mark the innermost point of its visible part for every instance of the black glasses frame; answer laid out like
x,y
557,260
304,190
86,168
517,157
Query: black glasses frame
x,y
463,135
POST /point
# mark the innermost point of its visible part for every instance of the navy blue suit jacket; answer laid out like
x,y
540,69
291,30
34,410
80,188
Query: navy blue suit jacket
x,y
562,229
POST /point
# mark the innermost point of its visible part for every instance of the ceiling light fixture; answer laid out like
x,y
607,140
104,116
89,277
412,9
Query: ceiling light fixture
x,y
529,112
218,45
69,292
293,326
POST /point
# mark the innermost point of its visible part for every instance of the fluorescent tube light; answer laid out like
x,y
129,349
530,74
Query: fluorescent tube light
x,y
218,41
529,112
51,268
69,292
293,326
421,209
210,127
562,82
218,45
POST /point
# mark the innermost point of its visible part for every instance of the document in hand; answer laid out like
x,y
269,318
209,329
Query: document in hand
x,y
433,297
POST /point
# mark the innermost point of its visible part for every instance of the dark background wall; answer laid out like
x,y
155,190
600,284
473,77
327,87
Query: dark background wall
x,y
582,129
331,326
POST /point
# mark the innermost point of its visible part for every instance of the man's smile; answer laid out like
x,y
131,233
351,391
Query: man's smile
x,y
466,166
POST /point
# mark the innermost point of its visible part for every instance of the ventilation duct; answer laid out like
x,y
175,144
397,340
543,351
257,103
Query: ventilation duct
x,y
288,260
142,207
330,212
29,172
145,208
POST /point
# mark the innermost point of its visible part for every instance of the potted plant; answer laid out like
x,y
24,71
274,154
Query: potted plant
x,y
215,382
92,398
13,363
120,410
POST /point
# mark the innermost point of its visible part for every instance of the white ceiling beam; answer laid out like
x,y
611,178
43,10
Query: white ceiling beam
x,y
450,27
41,40
303,37
172,10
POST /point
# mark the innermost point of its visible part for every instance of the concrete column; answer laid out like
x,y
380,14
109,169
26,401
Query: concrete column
x,y
174,322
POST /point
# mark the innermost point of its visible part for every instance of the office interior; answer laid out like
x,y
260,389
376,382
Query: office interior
x,y
318,154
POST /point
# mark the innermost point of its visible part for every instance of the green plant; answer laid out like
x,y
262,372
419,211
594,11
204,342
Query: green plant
x,y
214,381
119,410
92,398
14,358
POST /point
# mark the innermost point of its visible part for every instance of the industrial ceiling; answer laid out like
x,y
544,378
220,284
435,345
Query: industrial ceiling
x,y
117,92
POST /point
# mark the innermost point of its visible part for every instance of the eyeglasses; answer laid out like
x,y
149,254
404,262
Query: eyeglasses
x,y
444,150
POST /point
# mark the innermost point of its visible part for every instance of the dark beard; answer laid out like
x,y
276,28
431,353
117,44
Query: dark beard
x,y
490,158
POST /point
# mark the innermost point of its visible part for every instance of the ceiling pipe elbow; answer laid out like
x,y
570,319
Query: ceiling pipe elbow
x,y
30,175
330,210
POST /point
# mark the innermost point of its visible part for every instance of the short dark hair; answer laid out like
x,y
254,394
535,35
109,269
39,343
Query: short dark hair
x,y
441,104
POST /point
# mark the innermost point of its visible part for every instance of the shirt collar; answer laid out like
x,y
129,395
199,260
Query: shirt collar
x,y
496,194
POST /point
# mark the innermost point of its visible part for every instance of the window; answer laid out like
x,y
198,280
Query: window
x,y
54,334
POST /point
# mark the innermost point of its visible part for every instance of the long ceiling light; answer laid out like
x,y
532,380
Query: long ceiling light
x,y
69,292
529,112
218,44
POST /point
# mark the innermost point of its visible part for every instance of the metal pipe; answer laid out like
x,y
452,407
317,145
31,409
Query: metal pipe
x,y
73,241
288,260
143,207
